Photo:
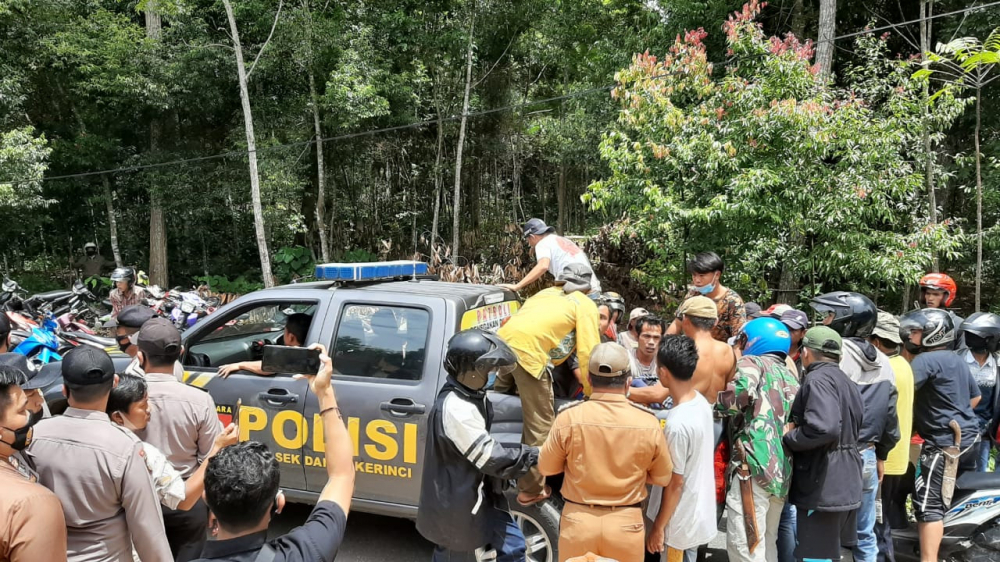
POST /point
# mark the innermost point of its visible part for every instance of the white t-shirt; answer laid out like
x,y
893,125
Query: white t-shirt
x,y
562,252
646,373
690,439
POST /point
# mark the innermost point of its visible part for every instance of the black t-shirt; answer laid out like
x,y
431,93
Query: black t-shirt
x,y
318,540
943,391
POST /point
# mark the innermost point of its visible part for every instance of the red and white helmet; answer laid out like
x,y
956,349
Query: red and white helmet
x,y
939,282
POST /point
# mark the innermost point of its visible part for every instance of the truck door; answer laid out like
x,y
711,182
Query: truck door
x,y
387,358
273,407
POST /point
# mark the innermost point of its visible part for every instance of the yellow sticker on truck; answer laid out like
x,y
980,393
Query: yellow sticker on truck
x,y
392,447
489,317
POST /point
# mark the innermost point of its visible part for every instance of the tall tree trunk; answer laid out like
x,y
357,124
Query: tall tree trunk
x,y
457,203
112,221
159,273
258,213
561,198
827,31
438,180
324,244
979,198
926,9
798,19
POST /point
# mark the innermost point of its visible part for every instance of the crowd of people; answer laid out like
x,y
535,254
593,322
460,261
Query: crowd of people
x,y
139,467
804,433
812,437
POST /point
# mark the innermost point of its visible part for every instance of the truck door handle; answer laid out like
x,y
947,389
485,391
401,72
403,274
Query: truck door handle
x,y
402,407
278,396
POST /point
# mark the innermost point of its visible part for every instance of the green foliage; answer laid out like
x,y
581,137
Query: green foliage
x,y
293,263
767,165
23,156
222,284
358,255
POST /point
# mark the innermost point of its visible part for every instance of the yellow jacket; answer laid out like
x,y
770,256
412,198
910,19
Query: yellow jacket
x,y
899,456
544,321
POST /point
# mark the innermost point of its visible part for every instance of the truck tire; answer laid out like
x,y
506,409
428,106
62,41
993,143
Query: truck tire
x,y
540,525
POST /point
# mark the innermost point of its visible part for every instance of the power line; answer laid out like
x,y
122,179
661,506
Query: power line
x,y
450,118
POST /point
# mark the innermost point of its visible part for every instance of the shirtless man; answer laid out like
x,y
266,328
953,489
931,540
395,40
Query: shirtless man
x,y
716,360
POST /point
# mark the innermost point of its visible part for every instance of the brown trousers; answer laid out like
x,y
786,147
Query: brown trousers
x,y
538,410
617,533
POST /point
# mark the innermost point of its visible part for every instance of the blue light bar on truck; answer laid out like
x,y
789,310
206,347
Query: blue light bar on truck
x,y
370,271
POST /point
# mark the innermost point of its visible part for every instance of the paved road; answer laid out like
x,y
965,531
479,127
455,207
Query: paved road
x,y
371,538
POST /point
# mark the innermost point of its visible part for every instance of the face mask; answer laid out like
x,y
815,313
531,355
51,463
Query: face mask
x,y
124,344
975,343
912,347
22,437
127,424
35,417
705,289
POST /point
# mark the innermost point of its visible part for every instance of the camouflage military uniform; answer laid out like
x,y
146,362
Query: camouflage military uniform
x,y
759,400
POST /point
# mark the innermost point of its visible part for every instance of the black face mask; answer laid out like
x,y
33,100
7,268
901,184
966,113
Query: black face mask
x,y
22,437
91,252
976,344
912,347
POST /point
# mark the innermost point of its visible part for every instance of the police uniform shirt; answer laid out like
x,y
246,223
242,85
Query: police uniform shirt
x,y
96,469
32,526
609,449
318,540
183,423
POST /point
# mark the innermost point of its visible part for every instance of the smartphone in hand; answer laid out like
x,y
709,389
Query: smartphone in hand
x,y
290,360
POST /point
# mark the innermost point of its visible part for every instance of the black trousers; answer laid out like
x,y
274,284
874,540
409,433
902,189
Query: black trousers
x,y
187,531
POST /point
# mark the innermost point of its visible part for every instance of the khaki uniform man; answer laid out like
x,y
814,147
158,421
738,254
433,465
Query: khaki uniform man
x,y
96,468
605,482
183,425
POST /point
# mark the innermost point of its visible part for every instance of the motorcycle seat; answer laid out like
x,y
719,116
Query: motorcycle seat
x,y
971,481
51,295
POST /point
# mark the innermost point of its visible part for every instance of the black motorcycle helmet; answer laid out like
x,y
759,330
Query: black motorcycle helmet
x,y
616,304
126,274
854,314
473,354
908,323
982,332
939,329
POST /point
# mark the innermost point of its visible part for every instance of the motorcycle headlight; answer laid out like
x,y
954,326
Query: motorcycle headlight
x,y
9,286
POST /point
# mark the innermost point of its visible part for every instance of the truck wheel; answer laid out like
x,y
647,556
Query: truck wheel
x,y
540,525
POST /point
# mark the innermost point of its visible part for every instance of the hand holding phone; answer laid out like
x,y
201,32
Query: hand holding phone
x,y
290,360
320,382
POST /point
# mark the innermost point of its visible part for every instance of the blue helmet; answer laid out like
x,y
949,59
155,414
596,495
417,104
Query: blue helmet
x,y
765,335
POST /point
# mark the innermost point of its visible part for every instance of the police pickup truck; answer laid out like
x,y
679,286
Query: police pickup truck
x,y
386,326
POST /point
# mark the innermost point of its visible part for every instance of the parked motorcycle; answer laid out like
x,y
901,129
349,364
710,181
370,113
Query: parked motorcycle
x,y
971,526
42,346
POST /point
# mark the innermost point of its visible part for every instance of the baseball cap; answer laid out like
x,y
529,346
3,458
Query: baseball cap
x,y
536,226
159,338
575,277
86,366
636,314
776,310
44,377
887,327
609,360
131,317
824,339
699,307
794,319
753,309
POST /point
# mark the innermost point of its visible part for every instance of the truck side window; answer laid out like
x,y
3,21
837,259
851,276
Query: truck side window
x,y
386,342
239,336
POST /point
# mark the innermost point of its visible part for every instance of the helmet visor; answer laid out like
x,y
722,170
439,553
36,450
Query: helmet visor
x,y
499,360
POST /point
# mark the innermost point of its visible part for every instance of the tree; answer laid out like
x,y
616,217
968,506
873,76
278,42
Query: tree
x,y
243,76
827,31
457,201
767,164
969,63
159,272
